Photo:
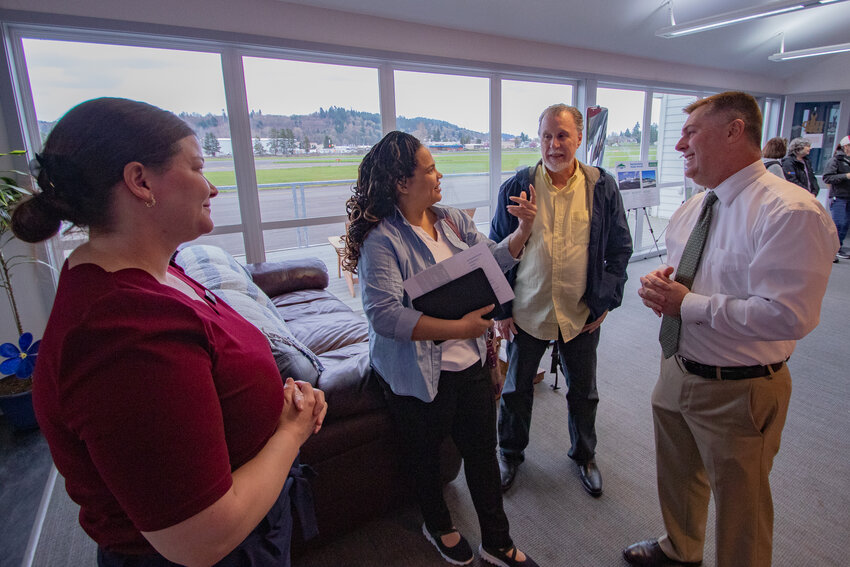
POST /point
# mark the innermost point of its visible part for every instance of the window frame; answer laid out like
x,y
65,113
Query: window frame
x,y
235,46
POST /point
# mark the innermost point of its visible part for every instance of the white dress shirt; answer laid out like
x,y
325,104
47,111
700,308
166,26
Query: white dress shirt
x,y
763,272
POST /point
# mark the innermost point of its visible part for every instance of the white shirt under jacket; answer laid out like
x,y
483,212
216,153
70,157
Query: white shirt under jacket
x,y
763,273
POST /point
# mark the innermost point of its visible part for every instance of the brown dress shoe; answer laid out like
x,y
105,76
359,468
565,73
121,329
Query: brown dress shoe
x,y
649,554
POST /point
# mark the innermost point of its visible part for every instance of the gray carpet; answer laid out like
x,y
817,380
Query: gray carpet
x,y
558,523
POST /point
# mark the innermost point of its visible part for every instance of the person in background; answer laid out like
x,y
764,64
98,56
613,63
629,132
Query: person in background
x,y
771,154
432,370
837,174
797,168
162,407
752,257
571,275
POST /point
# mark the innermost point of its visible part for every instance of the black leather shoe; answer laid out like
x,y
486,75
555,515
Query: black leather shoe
x,y
507,473
649,554
591,478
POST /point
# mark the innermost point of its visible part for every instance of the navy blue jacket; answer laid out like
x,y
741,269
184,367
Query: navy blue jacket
x,y
610,244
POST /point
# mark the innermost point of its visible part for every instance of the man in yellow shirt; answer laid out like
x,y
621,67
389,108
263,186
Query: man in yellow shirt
x,y
572,273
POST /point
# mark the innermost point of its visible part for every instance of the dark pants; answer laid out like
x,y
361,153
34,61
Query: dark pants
x,y
578,362
266,546
840,210
465,409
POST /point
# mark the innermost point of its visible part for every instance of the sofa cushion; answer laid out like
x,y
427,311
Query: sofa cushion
x,y
278,278
348,383
321,321
218,271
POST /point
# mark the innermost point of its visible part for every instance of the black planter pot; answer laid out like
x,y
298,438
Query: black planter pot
x,y
19,411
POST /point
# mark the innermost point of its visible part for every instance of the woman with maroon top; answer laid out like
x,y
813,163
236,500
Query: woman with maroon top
x,y
163,408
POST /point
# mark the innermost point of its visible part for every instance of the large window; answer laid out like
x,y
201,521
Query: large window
x,y
522,103
63,74
311,124
668,117
302,122
450,114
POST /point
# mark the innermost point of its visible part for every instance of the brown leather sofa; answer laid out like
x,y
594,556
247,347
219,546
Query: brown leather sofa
x,y
356,455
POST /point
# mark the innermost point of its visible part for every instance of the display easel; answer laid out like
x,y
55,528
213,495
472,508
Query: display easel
x,y
639,230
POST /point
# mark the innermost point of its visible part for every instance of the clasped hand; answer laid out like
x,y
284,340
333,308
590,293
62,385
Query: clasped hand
x,y
661,294
304,408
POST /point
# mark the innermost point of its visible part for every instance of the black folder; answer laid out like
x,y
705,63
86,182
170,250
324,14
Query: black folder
x,y
458,297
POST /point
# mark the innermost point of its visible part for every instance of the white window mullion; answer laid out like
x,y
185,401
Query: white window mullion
x,y
646,125
243,154
495,141
386,93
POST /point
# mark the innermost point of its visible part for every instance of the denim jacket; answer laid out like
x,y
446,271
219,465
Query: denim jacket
x,y
391,253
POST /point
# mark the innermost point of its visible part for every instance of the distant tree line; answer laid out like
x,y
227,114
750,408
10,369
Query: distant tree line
x,y
334,126
633,135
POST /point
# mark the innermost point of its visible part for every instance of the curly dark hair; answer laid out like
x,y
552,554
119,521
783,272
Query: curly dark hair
x,y
84,158
390,162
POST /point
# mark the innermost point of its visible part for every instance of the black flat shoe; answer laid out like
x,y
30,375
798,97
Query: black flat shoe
x,y
505,557
507,473
458,554
649,554
591,478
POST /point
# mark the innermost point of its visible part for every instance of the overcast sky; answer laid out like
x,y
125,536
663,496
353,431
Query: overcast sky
x,y
63,74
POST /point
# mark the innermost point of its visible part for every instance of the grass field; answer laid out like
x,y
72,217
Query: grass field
x,y
333,168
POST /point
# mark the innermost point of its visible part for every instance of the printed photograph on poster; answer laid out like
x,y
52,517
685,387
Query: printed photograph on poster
x,y
647,178
628,180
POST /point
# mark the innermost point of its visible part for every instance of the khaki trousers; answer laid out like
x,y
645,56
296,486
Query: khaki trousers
x,y
717,437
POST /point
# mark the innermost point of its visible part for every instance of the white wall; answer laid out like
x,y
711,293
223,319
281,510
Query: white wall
x,y
829,73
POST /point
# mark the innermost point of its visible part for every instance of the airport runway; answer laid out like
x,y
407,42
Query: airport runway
x,y
304,201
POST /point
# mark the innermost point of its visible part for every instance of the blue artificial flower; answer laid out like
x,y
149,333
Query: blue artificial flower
x,y
20,361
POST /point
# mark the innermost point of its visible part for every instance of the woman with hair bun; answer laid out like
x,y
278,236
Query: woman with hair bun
x,y
163,408
771,154
432,370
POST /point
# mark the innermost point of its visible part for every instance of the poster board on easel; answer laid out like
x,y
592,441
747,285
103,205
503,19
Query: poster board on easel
x,y
638,183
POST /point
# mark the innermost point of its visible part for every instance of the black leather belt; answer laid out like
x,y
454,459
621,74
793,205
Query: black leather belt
x,y
730,372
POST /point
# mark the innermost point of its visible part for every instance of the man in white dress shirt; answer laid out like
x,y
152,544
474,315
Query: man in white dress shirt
x,y
720,402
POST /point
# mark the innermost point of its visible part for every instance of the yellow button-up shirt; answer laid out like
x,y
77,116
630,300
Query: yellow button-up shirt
x,y
552,276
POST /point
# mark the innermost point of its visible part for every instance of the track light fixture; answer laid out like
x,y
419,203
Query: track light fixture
x,y
811,52
737,16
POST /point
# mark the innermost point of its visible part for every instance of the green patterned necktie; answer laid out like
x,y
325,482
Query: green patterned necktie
x,y
671,327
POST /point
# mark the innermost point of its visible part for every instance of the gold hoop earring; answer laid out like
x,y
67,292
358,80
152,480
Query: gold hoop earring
x,y
151,203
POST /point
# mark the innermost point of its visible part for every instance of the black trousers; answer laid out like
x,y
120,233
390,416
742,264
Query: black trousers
x,y
578,361
465,409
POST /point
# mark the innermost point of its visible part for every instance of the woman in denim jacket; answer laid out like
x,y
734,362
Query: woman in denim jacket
x,y
431,369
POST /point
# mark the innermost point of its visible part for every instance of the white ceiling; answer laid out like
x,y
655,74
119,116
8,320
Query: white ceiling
x,y
628,27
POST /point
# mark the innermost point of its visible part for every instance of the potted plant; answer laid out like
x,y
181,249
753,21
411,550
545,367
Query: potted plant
x,y
17,358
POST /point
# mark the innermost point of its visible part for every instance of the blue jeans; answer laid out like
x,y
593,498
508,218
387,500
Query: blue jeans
x,y
578,363
840,210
